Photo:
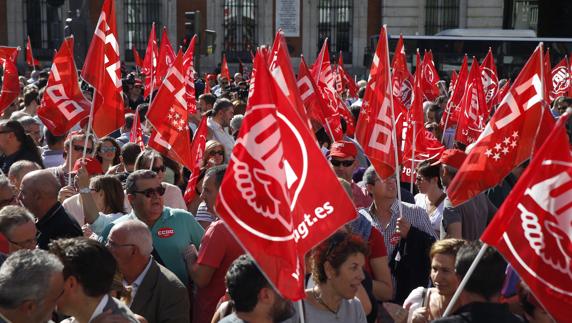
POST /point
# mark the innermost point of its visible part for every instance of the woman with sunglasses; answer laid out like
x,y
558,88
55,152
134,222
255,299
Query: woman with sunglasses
x,y
337,271
214,154
431,194
107,151
150,159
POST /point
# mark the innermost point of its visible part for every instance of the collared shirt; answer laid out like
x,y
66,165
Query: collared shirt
x,y
137,282
222,136
98,311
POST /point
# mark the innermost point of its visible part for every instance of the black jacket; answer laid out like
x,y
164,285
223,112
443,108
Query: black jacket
x,y
55,224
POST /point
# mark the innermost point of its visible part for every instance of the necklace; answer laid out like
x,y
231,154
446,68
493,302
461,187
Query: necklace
x,y
321,302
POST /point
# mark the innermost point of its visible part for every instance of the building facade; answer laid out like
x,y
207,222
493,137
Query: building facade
x,y
237,27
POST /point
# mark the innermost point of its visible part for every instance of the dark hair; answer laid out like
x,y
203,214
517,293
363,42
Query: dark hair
x,y
129,117
26,142
361,92
131,181
427,171
99,144
146,157
143,108
175,167
218,172
129,153
113,194
31,96
88,261
220,105
209,98
355,111
52,139
243,282
488,277
435,108
335,250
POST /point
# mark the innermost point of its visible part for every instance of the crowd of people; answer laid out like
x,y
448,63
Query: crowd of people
x,y
108,237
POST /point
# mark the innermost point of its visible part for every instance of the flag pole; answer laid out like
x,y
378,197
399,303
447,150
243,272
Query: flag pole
x,y
69,161
413,156
542,93
89,121
465,280
393,132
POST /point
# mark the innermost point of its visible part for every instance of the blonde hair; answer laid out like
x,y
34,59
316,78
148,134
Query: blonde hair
x,y
447,247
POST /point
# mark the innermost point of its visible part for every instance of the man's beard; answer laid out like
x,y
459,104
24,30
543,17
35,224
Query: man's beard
x,y
281,310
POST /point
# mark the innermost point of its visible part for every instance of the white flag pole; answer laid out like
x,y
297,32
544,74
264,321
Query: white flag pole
x,y
413,156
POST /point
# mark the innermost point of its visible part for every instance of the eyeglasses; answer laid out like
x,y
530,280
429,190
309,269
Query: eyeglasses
x,y
344,163
110,149
216,152
150,192
30,243
112,245
79,148
157,169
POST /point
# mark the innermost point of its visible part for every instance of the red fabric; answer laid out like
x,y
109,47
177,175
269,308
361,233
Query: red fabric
x,y
451,113
63,104
102,70
532,227
197,152
189,69
429,77
503,91
520,125
376,247
136,134
10,83
402,79
218,250
560,80
8,52
347,80
310,95
474,112
207,86
159,143
490,80
30,60
376,122
281,69
150,62
269,198
454,77
136,57
4,244
168,114
166,58
224,68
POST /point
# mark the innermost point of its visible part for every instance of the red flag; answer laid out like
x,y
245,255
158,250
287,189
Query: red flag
x,y
30,60
269,195
338,80
454,76
560,80
224,72
490,80
197,152
375,123
429,77
520,123
240,67
8,52
166,58
532,227
451,113
281,69
136,134
474,113
63,104
102,70
347,79
150,62
168,114
402,80
503,91
136,57
10,82
189,69
310,95
207,86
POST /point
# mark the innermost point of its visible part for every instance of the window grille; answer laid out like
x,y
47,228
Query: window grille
x,y
335,23
441,15
139,17
45,26
239,29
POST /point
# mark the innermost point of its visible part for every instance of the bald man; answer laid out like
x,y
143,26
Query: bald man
x,y
39,194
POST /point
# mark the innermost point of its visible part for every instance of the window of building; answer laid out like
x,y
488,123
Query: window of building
x,y
45,26
441,15
239,29
335,23
139,17
523,14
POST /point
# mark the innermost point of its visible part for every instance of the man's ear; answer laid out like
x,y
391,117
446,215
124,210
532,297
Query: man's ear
x,y
28,307
266,295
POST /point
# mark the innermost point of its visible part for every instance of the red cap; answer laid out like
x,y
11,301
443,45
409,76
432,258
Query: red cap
x,y
451,157
92,165
343,149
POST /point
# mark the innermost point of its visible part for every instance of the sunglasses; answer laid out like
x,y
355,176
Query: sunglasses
x,y
157,169
110,149
344,163
216,152
150,192
79,148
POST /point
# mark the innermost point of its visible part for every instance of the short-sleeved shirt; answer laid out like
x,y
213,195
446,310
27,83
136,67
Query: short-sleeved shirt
x,y
473,215
218,250
171,233
350,310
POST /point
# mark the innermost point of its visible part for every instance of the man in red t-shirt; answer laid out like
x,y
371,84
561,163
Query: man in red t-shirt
x,y
218,250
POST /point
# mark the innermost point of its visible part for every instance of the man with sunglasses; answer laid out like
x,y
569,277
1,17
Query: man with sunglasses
x,y
173,230
73,150
343,159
